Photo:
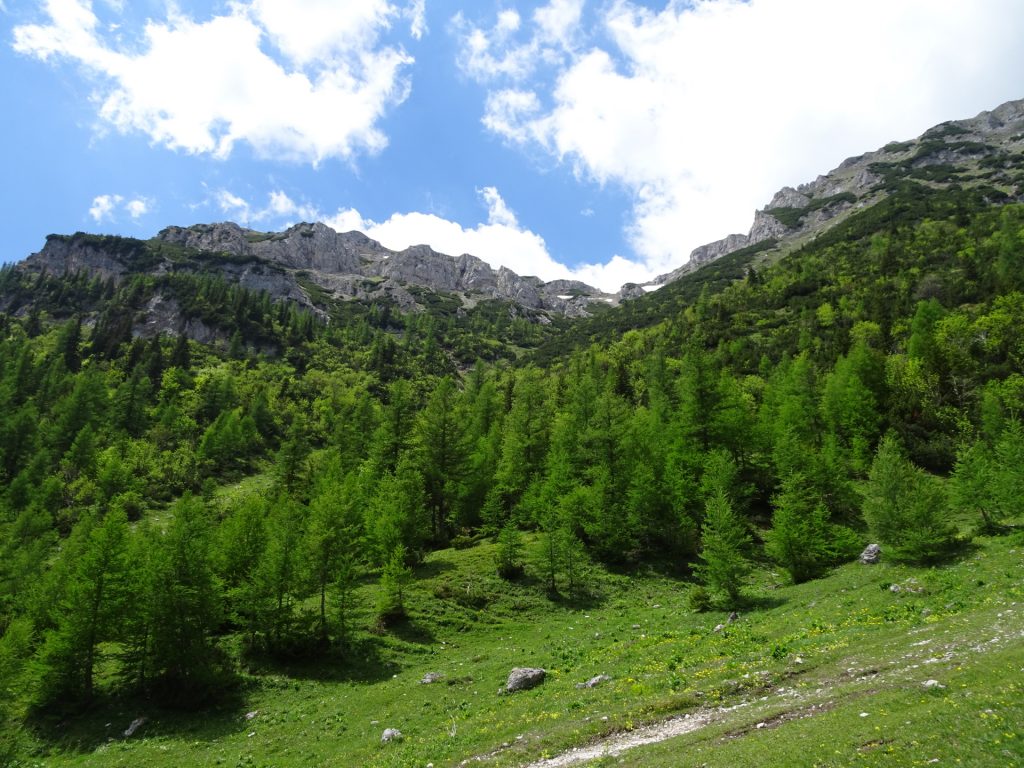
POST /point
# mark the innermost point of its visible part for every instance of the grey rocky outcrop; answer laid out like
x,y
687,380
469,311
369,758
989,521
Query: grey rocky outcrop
x,y
594,681
871,555
999,130
523,679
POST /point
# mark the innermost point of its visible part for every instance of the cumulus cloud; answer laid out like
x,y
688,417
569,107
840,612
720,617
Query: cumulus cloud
x,y
489,54
501,241
280,209
205,86
105,207
704,109
137,208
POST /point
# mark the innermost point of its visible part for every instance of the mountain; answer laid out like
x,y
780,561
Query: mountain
x,y
983,150
279,510
312,265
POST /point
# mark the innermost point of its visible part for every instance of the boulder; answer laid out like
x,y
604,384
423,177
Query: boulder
x,y
594,681
524,678
872,554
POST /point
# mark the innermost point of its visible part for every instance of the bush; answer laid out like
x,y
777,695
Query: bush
x,y
698,599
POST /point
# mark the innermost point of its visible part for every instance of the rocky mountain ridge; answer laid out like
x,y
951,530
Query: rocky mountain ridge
x,y
988,148
310,261
313,265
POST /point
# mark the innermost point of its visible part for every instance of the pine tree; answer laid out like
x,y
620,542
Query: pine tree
x,y
905,508
180,604
93,601
974,487
799,538
724,540
393,580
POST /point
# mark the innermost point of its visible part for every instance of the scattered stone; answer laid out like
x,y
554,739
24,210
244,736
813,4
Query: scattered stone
x,y
863,714
762,725
718,628
137,723
431,677
594,681
871,555
524,678
251,715
636,626
733,617
895,588
933,684
390,734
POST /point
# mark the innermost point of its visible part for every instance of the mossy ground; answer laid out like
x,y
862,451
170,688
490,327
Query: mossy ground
x,y
829,673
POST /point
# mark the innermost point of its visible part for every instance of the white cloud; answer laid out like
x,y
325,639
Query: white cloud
x,y
500,241
203,87
486,55
103,207
704,109
138,207
416,14
280,209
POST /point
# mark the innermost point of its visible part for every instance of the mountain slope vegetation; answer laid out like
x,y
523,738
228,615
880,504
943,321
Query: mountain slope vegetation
x,y
310,499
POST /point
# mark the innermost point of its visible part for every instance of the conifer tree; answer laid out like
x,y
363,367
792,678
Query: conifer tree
x,y
905,508
94,599
799,537
724,540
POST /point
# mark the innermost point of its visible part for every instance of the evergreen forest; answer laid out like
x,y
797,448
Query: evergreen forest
x,y
177,518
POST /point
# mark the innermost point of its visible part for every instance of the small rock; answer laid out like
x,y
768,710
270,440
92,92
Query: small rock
x,y
431,677
636,626
932,684
390,734
895,588
718,628
524,678
761,725
863,714
137,723
871,555
733,617
251,715
594,681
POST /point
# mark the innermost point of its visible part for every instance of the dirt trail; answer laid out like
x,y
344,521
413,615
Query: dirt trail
x,y
648,734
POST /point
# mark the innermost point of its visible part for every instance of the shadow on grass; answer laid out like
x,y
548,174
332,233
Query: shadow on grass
x,y
356,661
431,568
410,631
84,729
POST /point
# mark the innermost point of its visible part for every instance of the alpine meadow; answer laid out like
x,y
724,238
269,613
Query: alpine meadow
x,y
296,499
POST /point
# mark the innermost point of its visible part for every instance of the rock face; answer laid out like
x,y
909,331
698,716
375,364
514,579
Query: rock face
x,y
871,554
309,259
524,678
796,214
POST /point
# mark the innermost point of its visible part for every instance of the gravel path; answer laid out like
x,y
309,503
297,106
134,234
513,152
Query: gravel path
x,y
613,745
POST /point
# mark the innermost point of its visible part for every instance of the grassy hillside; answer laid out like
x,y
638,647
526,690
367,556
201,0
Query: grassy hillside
x,y
832,672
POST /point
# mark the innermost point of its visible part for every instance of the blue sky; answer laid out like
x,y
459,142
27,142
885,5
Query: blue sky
x,y
599,139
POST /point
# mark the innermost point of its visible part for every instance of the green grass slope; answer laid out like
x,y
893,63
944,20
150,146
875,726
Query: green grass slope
x,y
831,673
